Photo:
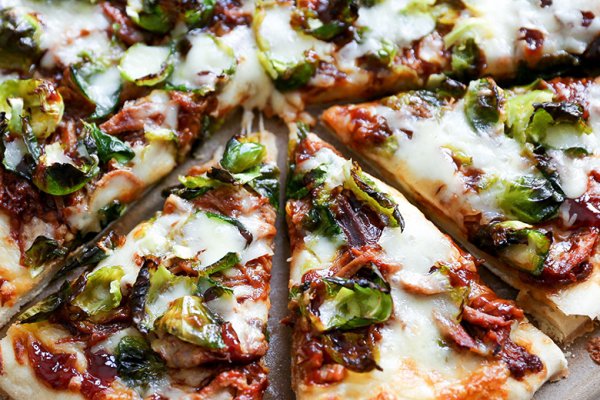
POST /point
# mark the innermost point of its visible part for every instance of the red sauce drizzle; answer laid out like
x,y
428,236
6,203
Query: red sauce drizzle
x,y
57,370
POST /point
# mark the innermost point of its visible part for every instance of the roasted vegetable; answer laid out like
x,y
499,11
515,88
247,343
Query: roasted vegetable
x,y
35,100
199,12
163,288
331,20
146,65
150,15
290,68
530,199
352,303
137,364
466,59
100,84
524,246
102,291
107,146
229,260
366,190
242,154
191,321
59,175
484,103
42,250
352,349
20,34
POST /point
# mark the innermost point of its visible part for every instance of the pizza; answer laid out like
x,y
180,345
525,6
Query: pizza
x,y
96,110
385,305
176,308
336,50
100,100
513,171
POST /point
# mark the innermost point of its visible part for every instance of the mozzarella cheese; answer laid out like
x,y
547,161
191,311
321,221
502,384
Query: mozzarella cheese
x,y
497,25
426,156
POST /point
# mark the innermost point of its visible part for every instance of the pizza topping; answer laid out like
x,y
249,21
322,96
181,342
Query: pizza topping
x,y
328,20
59,371
43,249
102,291
521,244
35,100
568,258
194,71
289,56
100,83
190,320
108,147
150,15
20,34
146,65
484,102
136,363
485,322
242,165
347,303
530,199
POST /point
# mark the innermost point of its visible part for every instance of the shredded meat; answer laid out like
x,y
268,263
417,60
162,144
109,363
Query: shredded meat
x,y
133,116
126,30
368,128
244,383
361,225
568,260
486,324
593,349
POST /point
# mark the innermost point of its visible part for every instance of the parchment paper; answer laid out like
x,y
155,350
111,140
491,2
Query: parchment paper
x,y
582,384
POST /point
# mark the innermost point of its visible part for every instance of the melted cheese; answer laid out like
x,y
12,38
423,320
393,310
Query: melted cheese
x,y
426,155
250,86
205,62
285,44
497,27
85,31
390,21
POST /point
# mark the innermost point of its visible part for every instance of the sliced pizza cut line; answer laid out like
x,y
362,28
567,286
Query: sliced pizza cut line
x,y
512,171
177,307
381,299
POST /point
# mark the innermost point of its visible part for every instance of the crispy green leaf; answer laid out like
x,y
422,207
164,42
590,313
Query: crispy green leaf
x,y
352,304
42,250
241,155
530,199
137,364
108,146
483,104
102,290
191,321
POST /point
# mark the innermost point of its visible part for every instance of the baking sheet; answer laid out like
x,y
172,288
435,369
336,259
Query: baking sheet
x,y
582,384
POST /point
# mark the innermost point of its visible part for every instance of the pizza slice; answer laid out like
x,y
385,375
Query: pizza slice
x,y
386,306
176,308
326,50
95,111
514,172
